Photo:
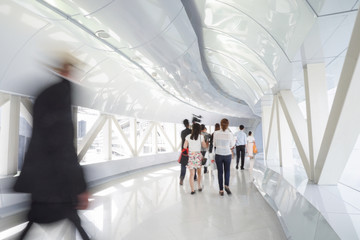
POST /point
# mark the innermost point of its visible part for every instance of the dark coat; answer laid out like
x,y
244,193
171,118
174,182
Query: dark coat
x,y
51,171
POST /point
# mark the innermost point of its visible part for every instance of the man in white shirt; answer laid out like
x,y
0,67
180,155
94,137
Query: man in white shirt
x,y
240,146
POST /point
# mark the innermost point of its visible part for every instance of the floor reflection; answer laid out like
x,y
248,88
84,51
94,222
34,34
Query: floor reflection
x,y
152,205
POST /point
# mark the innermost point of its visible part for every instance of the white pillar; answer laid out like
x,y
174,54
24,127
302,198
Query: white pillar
x,y
107,135
9,136
343,128
279,131
271,148
316,109
285,136
297,125
133,134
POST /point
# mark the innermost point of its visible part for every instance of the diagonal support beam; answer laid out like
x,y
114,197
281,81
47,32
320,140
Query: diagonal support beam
x,y
90,136
147,134
279,131
317,109
343,128
26,110
4,98
270,127
298,126
123,135
166,136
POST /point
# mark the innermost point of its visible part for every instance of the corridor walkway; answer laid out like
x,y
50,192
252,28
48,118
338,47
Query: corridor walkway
x,y
151,204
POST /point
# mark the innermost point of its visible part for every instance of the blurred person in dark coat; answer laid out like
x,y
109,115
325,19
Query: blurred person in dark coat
x,y
51,171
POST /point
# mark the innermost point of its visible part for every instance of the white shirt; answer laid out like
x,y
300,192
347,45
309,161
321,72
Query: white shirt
x,y
240,138
250,139
223,141
194,145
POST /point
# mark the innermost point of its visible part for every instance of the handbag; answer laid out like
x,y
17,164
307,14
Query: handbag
x,y
184,156
254,148
203,160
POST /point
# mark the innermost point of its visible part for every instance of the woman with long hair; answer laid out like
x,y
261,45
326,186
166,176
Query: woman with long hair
x,y
223,144
194,141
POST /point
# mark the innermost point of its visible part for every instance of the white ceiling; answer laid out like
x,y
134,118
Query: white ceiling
x,y
167,59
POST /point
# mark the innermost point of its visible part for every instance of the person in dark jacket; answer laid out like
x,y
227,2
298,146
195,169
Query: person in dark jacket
x,y
51,172
184,133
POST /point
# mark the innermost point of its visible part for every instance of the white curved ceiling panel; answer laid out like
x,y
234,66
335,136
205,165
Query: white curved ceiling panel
x,y
242,56
240,76
323,7
287,21
163,56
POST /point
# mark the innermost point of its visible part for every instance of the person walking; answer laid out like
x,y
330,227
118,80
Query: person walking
x,y
206,138
250,145
184,133
240,147
194,142
224,143
51,172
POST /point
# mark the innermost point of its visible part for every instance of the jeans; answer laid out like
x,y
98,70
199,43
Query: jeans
x,y
223,165
240,149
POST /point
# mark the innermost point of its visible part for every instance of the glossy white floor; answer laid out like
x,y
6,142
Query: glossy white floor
x,y
151,204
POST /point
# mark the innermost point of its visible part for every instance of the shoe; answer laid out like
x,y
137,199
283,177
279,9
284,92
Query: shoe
x,y
195,179
193,192
237,167
242,168
227,189
221,193
200,189
181,181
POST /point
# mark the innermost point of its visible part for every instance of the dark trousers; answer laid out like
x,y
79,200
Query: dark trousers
x,y
223,165
73,217
183,171
240,150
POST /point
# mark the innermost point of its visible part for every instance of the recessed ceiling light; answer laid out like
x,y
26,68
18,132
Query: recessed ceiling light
x,y
102,34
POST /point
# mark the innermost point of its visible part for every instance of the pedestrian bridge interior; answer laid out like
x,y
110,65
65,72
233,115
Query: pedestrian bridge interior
x,y
287,70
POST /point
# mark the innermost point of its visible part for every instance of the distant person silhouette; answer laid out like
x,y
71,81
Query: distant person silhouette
x,y
51,172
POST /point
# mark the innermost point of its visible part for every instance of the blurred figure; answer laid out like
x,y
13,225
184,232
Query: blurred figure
x,y
195,141
240,147
250,145
223,142
51,172
184,133
206,138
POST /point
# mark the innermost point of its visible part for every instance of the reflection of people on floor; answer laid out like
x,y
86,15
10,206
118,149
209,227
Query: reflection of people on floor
x,y
51,172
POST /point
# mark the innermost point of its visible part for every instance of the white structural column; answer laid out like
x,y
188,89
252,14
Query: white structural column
x,y
271,151
107,141
9,136
285,137
133,134
343,128
298,126
316,109
279,131
266,103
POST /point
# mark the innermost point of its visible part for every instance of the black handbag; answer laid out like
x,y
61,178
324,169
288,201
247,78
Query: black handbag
x,y
204,160
184,157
